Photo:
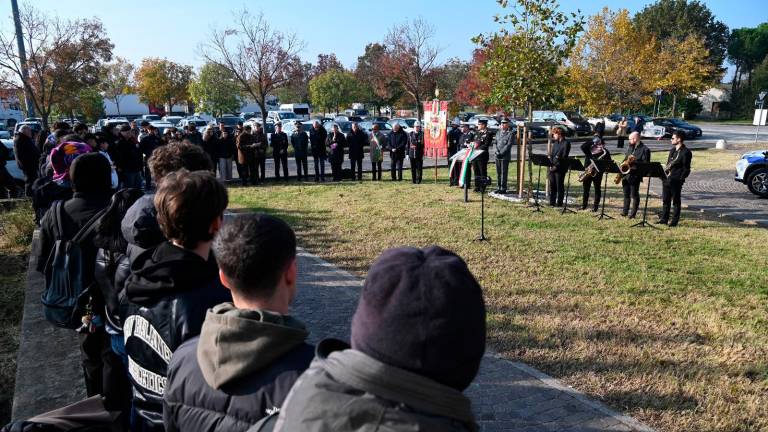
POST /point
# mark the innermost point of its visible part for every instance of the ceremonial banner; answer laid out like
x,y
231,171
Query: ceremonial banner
x,y
435,122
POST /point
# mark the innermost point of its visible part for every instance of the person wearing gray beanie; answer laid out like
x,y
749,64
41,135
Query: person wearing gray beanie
x,y
418,336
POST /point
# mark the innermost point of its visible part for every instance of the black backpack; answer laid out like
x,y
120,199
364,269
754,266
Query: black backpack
x,y
65,297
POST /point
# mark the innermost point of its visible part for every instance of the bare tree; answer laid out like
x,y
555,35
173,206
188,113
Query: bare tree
x,y
412,58
260,57
117,80
62,57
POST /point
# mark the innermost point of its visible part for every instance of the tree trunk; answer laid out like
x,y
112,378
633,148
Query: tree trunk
x,y
674,105
117,105
734,84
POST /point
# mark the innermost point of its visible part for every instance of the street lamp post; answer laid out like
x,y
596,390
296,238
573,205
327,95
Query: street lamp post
x,y
761,101
657,105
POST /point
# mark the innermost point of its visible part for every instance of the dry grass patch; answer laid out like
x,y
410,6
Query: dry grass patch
x,y
16,227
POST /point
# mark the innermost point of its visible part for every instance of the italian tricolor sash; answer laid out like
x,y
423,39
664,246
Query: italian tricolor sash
x,y
465,165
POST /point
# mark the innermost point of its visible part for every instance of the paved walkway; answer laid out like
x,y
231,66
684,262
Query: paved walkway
x,y
507,396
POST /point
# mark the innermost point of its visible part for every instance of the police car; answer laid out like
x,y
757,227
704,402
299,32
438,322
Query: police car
x,y
752,170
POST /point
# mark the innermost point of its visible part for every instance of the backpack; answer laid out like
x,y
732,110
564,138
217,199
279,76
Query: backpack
x,y
65,299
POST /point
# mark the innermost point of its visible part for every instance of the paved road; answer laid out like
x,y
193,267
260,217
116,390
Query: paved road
x,y
731,133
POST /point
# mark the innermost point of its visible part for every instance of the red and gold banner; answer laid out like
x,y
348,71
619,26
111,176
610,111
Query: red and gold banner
x,y
435,135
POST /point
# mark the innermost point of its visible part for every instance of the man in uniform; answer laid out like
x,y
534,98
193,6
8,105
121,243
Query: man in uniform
x,y
631,182
280,150
466,140
454,136
504,140
300,143
482,142
416,152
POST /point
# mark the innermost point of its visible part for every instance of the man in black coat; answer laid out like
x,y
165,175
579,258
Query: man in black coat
x,y
317,136
300,143
280,150
416,152
249,352
172,285
356,141
397,143
128,159
336,142
678,168
8,187
193,135
27,157
147,145
558,157
631,182
454,136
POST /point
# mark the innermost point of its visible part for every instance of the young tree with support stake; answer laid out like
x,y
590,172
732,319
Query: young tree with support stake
x,y
524,58
117,81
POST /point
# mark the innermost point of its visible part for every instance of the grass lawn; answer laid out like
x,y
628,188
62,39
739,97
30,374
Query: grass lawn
x,y
668,326
16,228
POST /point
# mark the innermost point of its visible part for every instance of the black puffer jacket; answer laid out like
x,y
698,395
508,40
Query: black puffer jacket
x,y
238,371
169,290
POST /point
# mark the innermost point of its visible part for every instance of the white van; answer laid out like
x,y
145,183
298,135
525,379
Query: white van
x,y
281,116
301,110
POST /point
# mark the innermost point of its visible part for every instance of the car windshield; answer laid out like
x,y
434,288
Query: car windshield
x,y
301,111
574,116
286,115
410,122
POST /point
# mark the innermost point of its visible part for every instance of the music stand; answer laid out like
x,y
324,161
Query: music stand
x,y
573,165
606,167
650,170
540,161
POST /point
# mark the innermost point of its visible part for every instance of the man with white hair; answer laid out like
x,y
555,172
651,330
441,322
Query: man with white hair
x,y
631,182
416,152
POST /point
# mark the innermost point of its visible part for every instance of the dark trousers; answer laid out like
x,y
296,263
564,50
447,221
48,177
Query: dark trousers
x,y
455,174
417,166
502,173
30,175
357,167
104,372
243,172
597,182
130,180
7,184
396,168
148,177
670,196
259,170
302,170
557,186
281,160
480,167
620,143
631,195
319,168
376,170
336,170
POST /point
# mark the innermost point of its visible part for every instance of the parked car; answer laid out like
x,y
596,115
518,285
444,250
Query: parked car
x,y
493,125
344,127
174,120
359,113
405,123
4,134
300,109
229,121
571,119
608,121
752,170
117,121
162,126
671,125
384,127
150,117
281,116
10,164
199,122
35,126
289,127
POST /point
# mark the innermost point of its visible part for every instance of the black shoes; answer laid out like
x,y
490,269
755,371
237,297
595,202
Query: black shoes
x,y
661,222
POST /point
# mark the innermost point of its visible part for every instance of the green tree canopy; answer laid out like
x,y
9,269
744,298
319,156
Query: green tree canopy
x,y
747,48
333,89
215,91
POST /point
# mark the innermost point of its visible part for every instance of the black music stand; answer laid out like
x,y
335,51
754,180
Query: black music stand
x,y
650,170
606,167
573,165
540,161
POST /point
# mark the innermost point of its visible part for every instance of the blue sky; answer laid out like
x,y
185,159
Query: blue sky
x,y
174,28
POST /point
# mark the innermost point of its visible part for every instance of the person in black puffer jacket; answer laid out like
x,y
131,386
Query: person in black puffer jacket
x,y
172,285
250,351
